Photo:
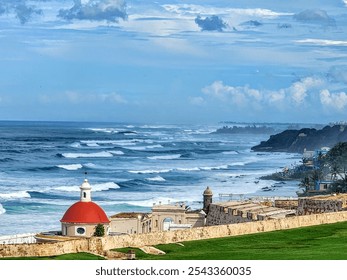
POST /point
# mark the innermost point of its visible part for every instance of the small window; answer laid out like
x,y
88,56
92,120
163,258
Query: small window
x,y
84,195
80,230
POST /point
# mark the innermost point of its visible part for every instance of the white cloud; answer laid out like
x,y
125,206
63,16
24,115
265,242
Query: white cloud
x,y
237,95
299,90
334,100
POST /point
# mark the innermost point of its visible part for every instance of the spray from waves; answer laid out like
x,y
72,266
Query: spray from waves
x,y
230,153
87,155
70,166
149,171
2,209
143,148
167,157
95,187
151,202
75,145
156,179
14,195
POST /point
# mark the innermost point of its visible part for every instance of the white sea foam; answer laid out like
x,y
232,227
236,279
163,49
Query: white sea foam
x,y
75,145
214,167
70,166
87,155
106,130
142,148
90,165
230,153
93,145
117,152
188,169
95,187
150,202
14,195
167,157
149,171
2,209
156,179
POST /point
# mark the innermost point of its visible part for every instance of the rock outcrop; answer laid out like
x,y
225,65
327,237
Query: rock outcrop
x,y
296,141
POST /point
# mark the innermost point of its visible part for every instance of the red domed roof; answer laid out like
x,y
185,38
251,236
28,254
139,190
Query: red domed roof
x,y
85,213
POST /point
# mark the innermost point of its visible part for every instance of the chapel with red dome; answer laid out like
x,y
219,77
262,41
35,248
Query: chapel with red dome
x,y
83,216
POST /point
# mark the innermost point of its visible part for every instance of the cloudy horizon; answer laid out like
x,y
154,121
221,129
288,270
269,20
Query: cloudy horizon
x,y
171,61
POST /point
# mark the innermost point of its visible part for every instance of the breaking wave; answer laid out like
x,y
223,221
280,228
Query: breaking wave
x,y
95,187
156,179
167,157
14,195
87,155
2,209
70,166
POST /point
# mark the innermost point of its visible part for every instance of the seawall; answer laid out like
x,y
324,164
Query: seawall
x,y
101,244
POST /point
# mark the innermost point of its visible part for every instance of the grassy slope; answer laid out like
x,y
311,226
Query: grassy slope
x,y
311,243
77,256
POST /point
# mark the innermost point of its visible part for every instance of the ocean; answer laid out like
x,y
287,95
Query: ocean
x,y
130,167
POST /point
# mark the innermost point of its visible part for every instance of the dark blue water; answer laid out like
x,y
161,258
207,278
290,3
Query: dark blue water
x,y
129,166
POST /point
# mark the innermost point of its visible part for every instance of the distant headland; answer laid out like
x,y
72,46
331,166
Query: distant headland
x,y
297,140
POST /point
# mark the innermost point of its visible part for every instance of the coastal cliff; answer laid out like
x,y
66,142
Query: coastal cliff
x,y
296,141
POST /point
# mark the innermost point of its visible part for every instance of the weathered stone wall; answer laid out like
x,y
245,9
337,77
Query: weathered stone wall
x,y
219,215
286,203
308,206
102,244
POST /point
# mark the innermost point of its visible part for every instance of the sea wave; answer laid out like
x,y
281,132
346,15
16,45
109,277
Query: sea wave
x,y
15,195
167,157
95,187
70,166
87,155
143,148
75,145
156,179
150,171
151,202
2,209
230,153
93,145
117,152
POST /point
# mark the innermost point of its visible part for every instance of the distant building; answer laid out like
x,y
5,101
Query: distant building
x,y
83,216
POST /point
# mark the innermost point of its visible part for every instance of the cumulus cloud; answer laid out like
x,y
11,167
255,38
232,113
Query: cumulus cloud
x,y
95,10
212,23
315,16
300,93
334,100
299,90
237,95
22,9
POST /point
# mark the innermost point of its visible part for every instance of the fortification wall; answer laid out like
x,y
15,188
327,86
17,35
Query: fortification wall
x,y
100,245
286,203
314,206
219,215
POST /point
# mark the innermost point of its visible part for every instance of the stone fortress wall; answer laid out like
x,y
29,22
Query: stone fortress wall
x,y
100,245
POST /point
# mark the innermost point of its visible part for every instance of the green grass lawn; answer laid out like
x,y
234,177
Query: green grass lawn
x,y
76,256
324,242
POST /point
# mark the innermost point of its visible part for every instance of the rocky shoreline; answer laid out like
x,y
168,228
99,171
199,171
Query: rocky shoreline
x,y
297,141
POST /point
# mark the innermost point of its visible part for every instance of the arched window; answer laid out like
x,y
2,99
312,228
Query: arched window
x,y
84,194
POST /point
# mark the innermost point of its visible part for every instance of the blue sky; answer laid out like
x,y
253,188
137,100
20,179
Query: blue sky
x,y
173,61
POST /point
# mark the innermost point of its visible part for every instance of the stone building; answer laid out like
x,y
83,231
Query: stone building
x,y
163,217
83,216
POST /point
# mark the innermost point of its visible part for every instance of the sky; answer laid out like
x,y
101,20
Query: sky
x,y
170,61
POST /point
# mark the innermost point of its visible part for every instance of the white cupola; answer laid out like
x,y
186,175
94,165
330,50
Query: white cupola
x,y
86,191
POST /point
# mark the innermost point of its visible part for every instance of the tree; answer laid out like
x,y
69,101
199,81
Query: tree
x,y
99,230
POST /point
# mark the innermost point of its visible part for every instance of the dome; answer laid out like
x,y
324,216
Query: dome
x,y
85,213
208,191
